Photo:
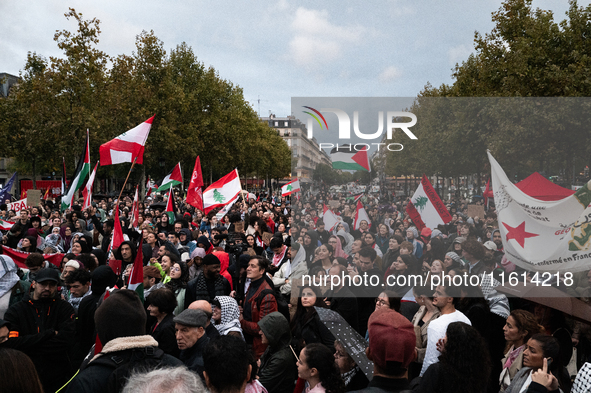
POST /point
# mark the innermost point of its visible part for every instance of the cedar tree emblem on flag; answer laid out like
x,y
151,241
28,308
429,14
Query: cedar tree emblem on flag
x,y
421,202
218,197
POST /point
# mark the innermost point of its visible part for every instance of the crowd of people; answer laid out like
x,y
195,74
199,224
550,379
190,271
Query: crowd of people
x,y
232,304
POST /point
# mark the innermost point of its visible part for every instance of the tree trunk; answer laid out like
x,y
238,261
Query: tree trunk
x,y
34,172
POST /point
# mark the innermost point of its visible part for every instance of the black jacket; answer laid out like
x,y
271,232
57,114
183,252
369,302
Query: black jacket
x,y
311,331
193,357
382,385
44,330
345,303
95,377
165,334
278,369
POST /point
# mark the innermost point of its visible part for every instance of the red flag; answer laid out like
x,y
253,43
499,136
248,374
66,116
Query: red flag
x,y
128,146
194,193
117,236
487,193
135,216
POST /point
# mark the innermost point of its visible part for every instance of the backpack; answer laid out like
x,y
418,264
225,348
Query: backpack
x,y
123,363
282,305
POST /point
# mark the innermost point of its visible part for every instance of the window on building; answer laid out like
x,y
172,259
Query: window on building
x,y
286,123
276,124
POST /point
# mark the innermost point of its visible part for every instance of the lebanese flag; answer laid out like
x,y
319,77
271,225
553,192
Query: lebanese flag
x,y
426,208
128,146
135,216
150,186
222,192
329,218
175,177
117,235
5,225
87,191
226,209
136,277
360,215
194,193
19,257
290,188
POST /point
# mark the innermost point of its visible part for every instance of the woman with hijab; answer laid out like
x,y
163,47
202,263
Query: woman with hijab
x,y
204,243
226,315
335,242
179,277
164,225
53,243
342,230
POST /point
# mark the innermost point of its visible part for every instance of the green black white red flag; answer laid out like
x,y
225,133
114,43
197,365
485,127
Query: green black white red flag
x,y
174,178
82,170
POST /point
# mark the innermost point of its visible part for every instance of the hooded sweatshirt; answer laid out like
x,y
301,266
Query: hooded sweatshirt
x,y
278,364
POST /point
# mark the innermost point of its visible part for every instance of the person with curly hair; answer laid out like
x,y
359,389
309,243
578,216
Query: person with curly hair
x,y
464,363
317,366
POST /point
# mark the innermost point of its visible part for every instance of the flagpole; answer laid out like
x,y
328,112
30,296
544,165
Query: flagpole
x,y
239,182
128,173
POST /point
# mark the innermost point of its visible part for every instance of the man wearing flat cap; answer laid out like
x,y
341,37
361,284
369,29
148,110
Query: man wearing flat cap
x,y
42,325
392,344
191,338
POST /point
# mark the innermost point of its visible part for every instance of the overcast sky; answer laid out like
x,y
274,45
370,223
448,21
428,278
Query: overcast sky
x,y
276,50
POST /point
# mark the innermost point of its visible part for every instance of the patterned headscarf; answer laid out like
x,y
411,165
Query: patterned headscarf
x,y
8,276
230,314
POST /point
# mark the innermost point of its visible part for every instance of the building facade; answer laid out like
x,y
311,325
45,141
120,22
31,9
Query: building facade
x,y
305,153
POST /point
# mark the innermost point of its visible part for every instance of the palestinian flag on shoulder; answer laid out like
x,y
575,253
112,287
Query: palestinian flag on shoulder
x,y
82,171
174,178
347,158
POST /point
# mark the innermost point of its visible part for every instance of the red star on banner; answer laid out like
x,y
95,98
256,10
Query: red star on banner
x,y
518,233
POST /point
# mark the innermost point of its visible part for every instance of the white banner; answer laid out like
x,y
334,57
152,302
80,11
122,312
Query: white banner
x,y
18,205
543,235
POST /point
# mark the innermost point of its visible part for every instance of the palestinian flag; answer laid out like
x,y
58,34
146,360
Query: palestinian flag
x,y
290,188
174,178
150,186
82,171
136,277
6,225
221,192
170,207
347,158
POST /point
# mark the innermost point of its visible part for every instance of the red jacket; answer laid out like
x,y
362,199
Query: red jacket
x,y
267,305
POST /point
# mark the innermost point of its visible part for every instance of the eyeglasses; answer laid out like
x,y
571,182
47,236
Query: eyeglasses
x,y
381,302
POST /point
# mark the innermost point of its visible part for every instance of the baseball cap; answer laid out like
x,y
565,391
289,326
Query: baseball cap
x,y
47,274
490,245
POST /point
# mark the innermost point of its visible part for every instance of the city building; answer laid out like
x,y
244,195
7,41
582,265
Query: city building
x,y
305,153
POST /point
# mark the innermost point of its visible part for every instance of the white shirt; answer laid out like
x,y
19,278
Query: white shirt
x,y
437,330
